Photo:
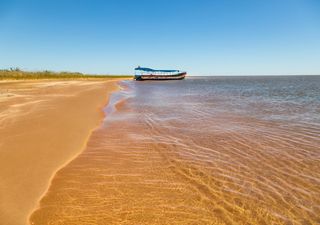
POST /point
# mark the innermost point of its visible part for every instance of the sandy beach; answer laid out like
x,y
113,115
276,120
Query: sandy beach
x,y
43,126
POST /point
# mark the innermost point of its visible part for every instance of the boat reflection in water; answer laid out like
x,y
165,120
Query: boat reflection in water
x,y
142,73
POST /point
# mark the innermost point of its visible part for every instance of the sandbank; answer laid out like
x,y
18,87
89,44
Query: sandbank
x,y
43,126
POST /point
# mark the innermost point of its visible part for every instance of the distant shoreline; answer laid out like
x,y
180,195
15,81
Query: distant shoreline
x,y
17,74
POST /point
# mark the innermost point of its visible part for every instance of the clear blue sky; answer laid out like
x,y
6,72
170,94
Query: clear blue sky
x,y
204,37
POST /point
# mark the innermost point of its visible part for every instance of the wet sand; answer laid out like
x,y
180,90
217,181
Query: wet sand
x,y
186,163
43,125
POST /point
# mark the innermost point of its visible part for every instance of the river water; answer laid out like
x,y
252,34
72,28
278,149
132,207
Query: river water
x,y
205,150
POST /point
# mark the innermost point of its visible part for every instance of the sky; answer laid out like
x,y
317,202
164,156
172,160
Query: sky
x,y
203,37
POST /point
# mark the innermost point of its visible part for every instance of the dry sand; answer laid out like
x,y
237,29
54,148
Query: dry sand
x,y
43,126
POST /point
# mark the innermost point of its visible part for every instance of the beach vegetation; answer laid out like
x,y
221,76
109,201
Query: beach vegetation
x,y
18,74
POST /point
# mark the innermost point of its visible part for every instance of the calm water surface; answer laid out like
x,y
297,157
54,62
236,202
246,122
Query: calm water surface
x,y
221,150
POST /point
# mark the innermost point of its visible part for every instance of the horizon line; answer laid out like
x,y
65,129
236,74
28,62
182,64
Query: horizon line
x,y
212,75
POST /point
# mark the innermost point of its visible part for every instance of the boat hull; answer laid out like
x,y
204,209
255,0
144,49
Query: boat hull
x,y
178,76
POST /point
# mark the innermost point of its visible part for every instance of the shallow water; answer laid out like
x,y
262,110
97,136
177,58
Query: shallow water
x,y
221,150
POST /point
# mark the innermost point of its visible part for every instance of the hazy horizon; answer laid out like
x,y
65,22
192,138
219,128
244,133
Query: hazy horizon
x,y
204,38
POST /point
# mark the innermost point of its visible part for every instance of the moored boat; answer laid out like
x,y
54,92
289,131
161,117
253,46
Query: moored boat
x,y
142,73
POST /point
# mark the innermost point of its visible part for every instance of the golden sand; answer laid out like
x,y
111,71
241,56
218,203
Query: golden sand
x,y
43,125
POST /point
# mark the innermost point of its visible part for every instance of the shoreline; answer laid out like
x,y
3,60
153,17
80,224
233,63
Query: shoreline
x,y
102,118
37,206
67,115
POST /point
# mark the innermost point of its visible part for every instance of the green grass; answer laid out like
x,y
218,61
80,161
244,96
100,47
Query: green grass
x,y
16,74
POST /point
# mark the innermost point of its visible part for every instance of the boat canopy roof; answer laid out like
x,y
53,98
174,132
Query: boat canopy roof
x,y
152,70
